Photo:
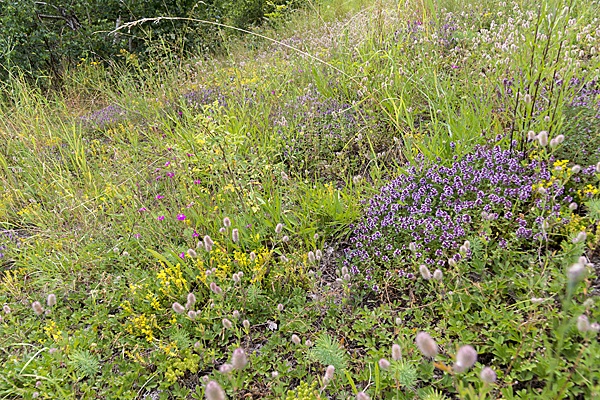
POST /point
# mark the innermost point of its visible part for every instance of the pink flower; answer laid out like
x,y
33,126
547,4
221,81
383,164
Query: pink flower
x,y
158,177
170,174
182,255
197,182
157,169
142,209
189,155
180,217
167,163
161,218
137,235
195,234
158,197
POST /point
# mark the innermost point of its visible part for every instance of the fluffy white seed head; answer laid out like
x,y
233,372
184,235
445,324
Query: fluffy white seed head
x,y
438,275
192,314
252,256
451,262
318,255
595,327
576,272
560,139
6,309
412,247
226,368
178,308
285,239
246,324
235,235
226,222
236,314
222,231
227,323
200,244
278,228
576,169
488,375
465,358
296,339
396,352
583,324
308,343
531,135
426,344
191,300
311,256
37,308
329,372
543,138
573,206
236,278
425,272
362,396
192,253
239,359
384,364
581,236
280,307
51,301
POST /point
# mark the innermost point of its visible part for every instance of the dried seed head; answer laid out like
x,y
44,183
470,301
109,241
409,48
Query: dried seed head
x,y
318,255
239,359
37,308
396,352
246,324
235,236
227,323
236,314
425,272
465,358
278,228
543,138
426,344
192,253
192,315
226,222
311,257
295,339
51,300
362,396
226,368
280,307
488,375
438,275
576,169
178,308
583,325
384,364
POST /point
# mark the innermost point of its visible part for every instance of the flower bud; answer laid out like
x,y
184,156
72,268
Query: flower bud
x,y
384,364
583,325
51,300
488,375
396,352
178,308
425,272
438,275
278,228
465,358
426,344
37,308
227,323
239,359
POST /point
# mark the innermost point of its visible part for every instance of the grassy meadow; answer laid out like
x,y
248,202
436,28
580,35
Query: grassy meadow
x,y
384,200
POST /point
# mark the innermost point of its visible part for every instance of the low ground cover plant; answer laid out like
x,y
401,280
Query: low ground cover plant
x,y
372,201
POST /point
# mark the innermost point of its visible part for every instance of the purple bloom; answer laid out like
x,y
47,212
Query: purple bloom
x,y
180,217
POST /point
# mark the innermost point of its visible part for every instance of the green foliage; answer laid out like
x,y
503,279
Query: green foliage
x,y
85,363
329,352
304,391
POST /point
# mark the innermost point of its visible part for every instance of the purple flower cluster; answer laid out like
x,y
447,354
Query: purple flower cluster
x,y
425,215
9,239
105,117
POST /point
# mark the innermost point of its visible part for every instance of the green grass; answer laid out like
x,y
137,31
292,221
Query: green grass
x,y
103,214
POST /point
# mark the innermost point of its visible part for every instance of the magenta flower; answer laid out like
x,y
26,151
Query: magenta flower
x,y
142,209
171,174
158,177
197,182
182,255
189,155
137,235
180,217
161,218
157,169
167,163
158,197
195,234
